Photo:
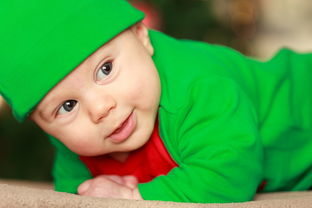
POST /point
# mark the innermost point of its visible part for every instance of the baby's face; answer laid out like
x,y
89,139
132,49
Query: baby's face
x,y
108,103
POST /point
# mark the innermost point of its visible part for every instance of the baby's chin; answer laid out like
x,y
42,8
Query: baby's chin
x,y
133,144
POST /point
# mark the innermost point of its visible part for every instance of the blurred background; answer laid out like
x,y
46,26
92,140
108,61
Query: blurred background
x,y
256,28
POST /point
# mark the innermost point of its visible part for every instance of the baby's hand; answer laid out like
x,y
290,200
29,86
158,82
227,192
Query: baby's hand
x,y
111,186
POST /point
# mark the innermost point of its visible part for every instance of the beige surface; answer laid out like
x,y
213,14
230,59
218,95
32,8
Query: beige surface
x,y
24,194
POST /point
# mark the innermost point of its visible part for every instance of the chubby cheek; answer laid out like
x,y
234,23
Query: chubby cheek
x,y
143,91
82,141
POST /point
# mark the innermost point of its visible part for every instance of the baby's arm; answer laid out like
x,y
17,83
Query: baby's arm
x,y
111,186
215,140
68,170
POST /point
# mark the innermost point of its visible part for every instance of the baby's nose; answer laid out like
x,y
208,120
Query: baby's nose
x,y
99,107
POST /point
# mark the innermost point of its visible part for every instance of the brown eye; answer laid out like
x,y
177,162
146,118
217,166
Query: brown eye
x,y
104,71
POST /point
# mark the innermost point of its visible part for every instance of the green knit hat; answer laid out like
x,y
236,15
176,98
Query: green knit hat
x,y
41,41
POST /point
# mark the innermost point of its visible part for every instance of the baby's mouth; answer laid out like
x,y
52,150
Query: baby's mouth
x,y
125,130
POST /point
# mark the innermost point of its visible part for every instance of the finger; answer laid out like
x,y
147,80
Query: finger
x,y
115,178
84,187
130,181
105,188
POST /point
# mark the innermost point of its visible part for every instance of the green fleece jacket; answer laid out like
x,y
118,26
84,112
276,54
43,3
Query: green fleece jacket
x,y
229,121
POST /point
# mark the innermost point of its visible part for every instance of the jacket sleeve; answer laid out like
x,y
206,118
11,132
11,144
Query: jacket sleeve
x,y
217,147
68,171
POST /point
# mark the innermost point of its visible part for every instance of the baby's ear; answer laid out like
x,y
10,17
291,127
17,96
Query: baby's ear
x,y
141,31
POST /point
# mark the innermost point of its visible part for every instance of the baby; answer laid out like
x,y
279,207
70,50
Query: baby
x,y
137,114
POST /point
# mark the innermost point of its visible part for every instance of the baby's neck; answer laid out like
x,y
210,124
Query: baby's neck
x,y
119,156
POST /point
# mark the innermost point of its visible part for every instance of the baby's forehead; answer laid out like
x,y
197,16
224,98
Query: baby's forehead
x,y
104,49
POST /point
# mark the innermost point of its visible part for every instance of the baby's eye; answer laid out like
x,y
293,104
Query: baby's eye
x,y
104,71
67,106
